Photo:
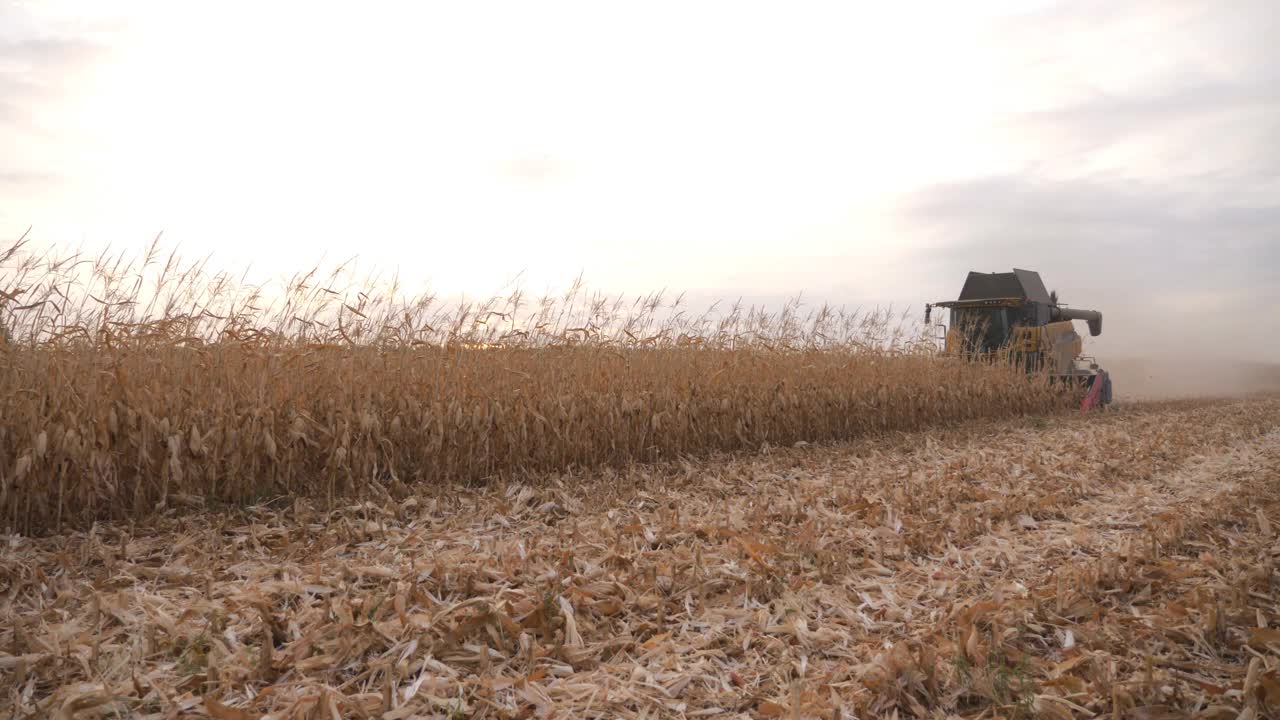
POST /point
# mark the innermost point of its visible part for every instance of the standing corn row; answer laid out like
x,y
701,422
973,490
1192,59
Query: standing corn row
x,y
111,406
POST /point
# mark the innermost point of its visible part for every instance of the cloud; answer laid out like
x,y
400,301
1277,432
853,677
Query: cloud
x,y
25,179
1179,87
1149,187
45,64
1228,124
37,71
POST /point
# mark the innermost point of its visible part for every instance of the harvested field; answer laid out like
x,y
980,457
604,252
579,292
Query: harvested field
x,y
1112,565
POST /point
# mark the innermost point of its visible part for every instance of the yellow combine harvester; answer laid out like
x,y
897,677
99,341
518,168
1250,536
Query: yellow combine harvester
x,y
1012,316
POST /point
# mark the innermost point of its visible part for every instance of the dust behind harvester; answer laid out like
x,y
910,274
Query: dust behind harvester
x,y
1011,315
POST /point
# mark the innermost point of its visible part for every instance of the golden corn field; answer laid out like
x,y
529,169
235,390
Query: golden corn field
x,y
165,387
337,504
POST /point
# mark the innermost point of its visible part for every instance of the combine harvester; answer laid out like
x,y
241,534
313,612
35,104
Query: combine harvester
x,y
1012,316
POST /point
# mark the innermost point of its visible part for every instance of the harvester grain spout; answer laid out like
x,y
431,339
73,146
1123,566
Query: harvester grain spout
x,y
1092,317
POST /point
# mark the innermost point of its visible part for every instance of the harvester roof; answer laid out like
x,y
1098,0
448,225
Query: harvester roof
x,y
1025,284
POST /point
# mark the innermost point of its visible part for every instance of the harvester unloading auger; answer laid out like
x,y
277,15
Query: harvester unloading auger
x,y
1012,316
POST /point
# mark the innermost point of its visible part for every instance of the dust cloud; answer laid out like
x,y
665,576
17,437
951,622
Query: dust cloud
x,y
1183,376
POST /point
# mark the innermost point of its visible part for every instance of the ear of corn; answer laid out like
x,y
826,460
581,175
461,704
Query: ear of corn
x,y
126,386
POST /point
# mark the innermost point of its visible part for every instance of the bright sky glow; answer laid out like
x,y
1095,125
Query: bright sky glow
x,y
721,147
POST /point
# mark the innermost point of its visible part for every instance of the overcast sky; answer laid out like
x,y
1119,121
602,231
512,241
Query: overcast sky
x,y
859,153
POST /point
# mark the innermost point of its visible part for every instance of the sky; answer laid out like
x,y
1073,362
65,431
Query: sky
x,y
856,153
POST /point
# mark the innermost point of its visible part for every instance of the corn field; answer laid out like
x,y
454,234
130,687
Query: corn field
x,y
315,499
130,388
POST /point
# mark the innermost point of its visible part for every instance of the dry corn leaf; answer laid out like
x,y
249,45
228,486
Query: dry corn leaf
x,y
218,711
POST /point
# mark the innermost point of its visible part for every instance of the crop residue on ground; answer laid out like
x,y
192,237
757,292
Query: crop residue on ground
x,y
1120,565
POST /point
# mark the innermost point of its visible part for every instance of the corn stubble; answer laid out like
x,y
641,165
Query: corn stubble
x,y
128,386
1121,565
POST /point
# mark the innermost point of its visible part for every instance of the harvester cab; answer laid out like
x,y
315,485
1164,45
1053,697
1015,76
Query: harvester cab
x,y
1012,316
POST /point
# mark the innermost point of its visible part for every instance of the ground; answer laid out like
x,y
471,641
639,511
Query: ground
x,y
1119,564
